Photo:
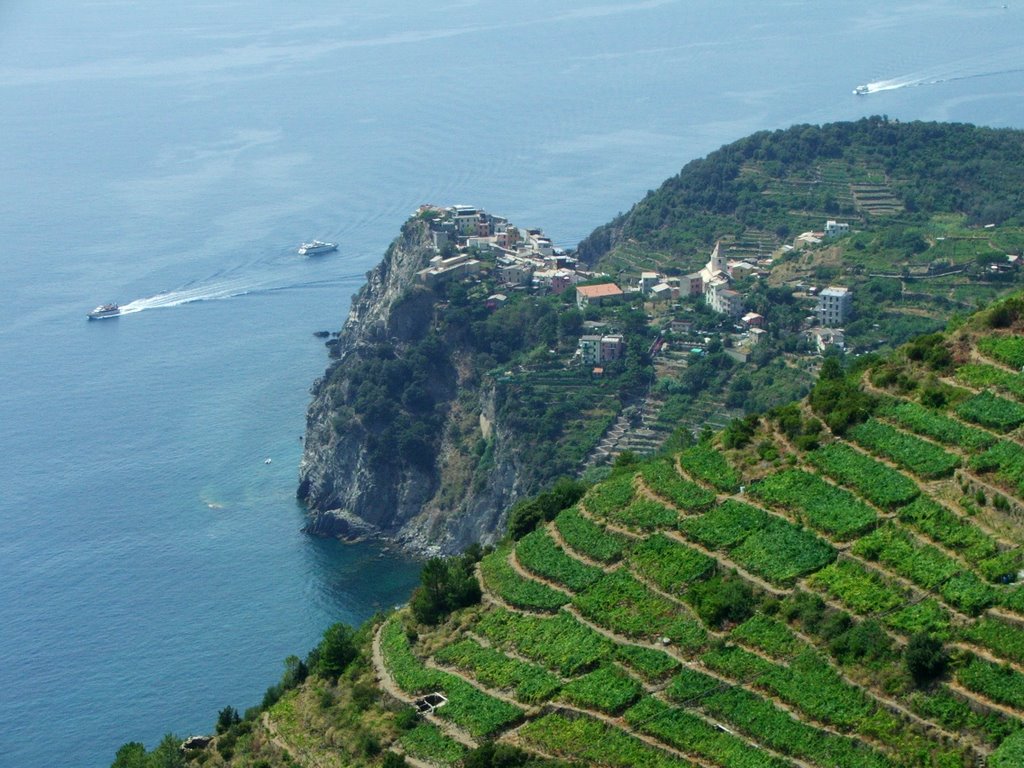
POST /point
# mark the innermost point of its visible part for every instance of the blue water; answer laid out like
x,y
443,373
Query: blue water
x,y
173,155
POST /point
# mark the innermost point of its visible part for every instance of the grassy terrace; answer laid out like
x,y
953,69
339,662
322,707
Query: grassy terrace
x,y
604,627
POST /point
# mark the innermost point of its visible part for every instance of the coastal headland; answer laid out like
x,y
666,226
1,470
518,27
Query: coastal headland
x,y
831,579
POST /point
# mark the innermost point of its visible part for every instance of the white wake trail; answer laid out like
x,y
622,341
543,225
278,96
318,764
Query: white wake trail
x,y
189,295
1000,63
229,290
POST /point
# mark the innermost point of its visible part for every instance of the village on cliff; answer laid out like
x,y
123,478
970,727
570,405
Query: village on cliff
x,y
472,243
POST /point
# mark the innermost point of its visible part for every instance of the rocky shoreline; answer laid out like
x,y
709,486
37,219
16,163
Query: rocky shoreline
x,y
352,493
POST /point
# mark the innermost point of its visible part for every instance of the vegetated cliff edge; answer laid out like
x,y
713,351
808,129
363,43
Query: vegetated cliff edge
x,y
438,413
401,439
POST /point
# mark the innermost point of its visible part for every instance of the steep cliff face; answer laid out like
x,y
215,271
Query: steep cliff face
x,y
392,426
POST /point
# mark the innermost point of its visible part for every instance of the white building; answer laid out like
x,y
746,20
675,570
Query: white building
x,y
647,281
716,270
516,273
443,270
725,301
836,228
823,338
835,306
740,269
465,218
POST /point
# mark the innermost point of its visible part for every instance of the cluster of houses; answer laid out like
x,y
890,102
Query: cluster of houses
x,y
526,259
523,257
715,279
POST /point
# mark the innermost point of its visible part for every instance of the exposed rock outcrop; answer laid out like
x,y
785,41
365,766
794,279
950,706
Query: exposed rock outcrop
x,y
393,458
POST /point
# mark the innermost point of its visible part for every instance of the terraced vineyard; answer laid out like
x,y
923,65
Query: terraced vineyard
x,y
716,609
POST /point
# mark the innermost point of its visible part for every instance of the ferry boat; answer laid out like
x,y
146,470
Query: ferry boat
x,y
105,310
316,247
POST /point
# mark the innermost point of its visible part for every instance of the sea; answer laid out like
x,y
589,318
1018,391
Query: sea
x,y
172,156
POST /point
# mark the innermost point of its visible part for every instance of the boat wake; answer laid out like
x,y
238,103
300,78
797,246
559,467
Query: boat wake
x,y
230,289
1005,63
187,296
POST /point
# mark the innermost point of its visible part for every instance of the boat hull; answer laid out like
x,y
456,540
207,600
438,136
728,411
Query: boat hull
x,y
104,312
316,248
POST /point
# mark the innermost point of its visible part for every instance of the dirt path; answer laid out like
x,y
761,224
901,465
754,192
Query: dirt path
x,y
742,736
557,536
622,725
302,756
489,598
987,655
1005,614
983,701
887,702
387,684
608,524
384,679
645,490
977,357
676,601
932,486
469,680
513,560
918,591
727,682
726,562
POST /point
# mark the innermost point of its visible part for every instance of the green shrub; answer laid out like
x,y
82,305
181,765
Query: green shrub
x,y
721,599
446,584
336,651
925,658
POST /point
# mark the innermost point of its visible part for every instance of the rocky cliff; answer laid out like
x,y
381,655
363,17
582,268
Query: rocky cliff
x,y
402,439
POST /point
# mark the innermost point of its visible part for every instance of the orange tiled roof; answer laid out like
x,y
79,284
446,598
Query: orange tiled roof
x,y
598,291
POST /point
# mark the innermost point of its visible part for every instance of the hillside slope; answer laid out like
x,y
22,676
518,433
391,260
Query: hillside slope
x,y
832,584
773,184
439,412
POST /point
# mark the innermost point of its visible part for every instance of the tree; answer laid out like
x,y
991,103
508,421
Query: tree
x,y
446,584
337,649
226,718
831,368
925,658
492,755
167,753
130,755
722,599
865,641
527,515
295,671
626,459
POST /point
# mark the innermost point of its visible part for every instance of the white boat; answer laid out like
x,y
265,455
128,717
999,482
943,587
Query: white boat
x,y
861,90
104,311
316,247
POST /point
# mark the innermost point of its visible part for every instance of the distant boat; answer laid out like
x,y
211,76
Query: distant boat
x,y
861,90
316,247
104,311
